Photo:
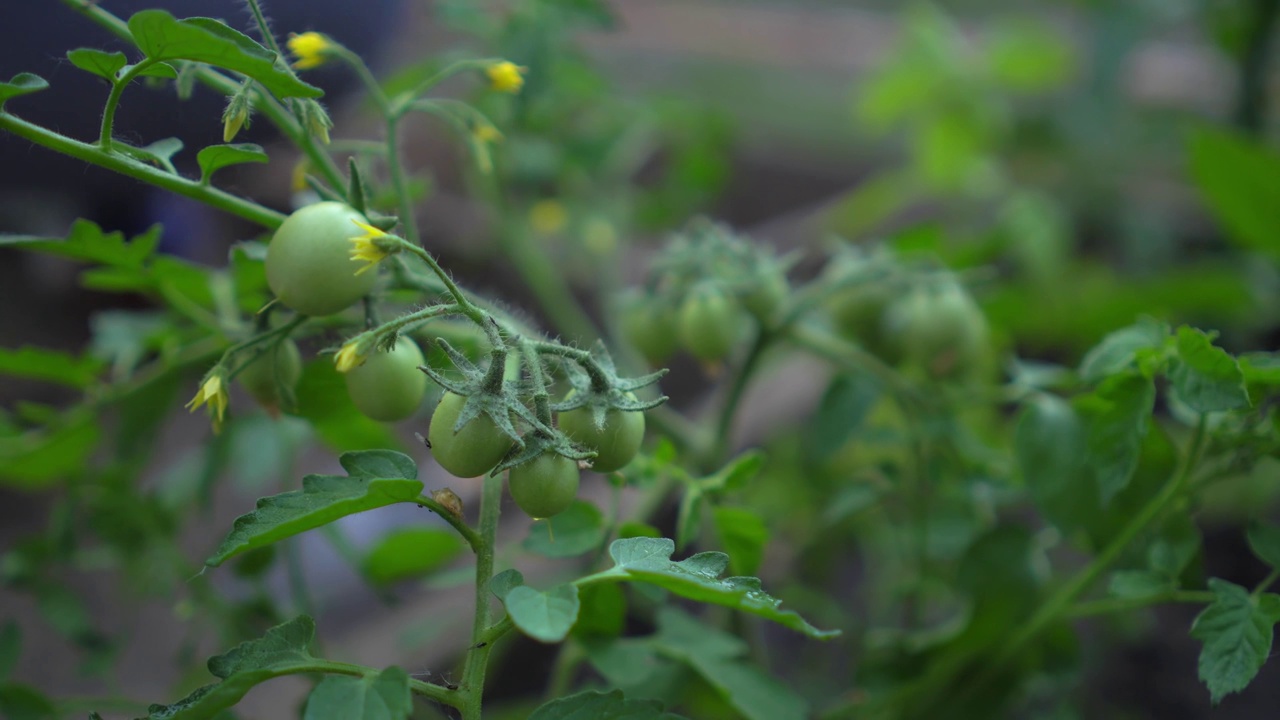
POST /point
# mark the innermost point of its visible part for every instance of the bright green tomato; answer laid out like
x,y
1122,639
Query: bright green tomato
x,y
389,386
939,329
280,366
615,444
309,265
472,451
711,323
544,486
650,327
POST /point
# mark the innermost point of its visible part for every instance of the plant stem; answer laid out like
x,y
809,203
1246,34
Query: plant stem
x,y
269,106
471,688
95,155
264,28
1266,582
331,667
113,101
472,538
742,376
1106,606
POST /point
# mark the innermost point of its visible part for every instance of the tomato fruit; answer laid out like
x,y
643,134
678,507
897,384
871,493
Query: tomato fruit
x,y
471,451
650,326
309,265
767,293
389,386
939,329
711,323
615,444
280,366
544,486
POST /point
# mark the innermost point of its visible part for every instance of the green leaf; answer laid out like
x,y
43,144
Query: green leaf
x,y
86,241
577,530
410,553
162,37
546,616
743,535
324,402
159,70
23,702
50,366
715,656
384,696
1264,540
840,414
1049,443
689,518
503,582
21,84
1117,416
1239,179
40,458
698,578
1205,377
99,62
323,499
736,474
1138,584
1119,350
1236,631
602,612
159,153
592,705
216,157
10,648
284,650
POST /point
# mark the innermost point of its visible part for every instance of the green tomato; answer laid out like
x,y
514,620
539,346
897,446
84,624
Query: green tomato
x,y
649,325
711,323
767,293
471,451
615,444
858,314
280,366
389,386
544,486
309,265
939,329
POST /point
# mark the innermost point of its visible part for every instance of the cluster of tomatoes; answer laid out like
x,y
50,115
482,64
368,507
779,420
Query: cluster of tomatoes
x,y
310,270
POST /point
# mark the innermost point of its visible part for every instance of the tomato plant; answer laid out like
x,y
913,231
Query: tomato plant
x,y
985,414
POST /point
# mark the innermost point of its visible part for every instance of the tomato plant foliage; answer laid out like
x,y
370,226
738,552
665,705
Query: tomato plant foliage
x,y
960,437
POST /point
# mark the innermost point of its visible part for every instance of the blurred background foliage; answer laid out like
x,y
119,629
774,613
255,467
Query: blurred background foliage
x,y
1080,163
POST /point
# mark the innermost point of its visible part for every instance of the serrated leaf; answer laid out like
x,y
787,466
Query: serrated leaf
x,y
1239,179
698,578
1205,377
715,656
161,36
99,62
1118,350
384,696
1138,584
284,650
578,529
216,157
21,84
86,241
1264,540
743,535
50,366
1236,630
592,705
1117,416
322,499
410,553
546,616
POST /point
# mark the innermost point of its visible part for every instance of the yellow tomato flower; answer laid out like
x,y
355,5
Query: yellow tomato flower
x,y
548,217
368,248
311,49
506,76
213,391
349,356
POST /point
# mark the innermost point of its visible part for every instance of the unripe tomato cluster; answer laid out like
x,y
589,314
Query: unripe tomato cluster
x,y
311,270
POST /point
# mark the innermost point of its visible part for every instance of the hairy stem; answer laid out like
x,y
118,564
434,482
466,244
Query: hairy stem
x,y
472,686
124,165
